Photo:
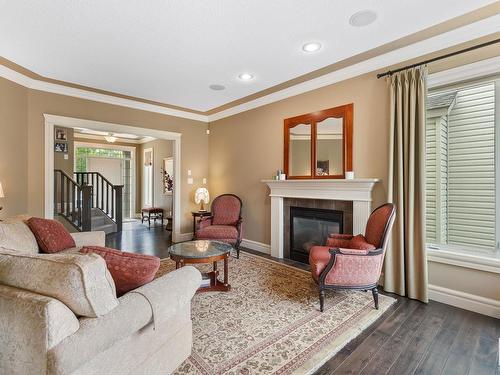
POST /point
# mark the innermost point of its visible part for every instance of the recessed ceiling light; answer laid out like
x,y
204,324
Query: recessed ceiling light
x,y
311,47
217,87
245,76
363,18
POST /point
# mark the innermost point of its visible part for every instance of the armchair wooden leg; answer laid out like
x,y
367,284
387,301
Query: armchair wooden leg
x,y
321,300
375,297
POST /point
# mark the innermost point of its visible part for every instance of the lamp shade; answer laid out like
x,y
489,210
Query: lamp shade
x,y
201,196
2,195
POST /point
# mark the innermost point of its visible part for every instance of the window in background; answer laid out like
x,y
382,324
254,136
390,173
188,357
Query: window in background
x,y
461,183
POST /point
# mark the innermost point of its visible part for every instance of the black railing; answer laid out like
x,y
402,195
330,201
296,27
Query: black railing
x,y
72,200
104,195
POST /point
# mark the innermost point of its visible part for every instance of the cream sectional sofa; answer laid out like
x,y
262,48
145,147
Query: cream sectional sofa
x,y
59,313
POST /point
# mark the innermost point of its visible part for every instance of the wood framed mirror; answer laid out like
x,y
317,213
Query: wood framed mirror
x,y
319,144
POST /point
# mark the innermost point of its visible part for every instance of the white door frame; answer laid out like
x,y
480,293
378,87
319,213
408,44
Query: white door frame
x,y
152,178
69,122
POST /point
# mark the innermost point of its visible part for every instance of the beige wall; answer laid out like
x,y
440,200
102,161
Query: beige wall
x,y
248,147
161,149
13,148
22,133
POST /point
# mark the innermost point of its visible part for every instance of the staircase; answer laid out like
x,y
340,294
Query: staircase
x,y
99,221
89,202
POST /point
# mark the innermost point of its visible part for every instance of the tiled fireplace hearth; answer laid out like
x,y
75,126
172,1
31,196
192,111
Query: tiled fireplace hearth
x,y
351,198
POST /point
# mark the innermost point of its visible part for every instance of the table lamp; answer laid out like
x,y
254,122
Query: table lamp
x,y
201,196
2,195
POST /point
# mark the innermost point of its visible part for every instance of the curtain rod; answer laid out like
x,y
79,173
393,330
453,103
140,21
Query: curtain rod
x,y
390,72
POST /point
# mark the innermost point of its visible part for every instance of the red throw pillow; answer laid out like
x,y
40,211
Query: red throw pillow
x,y
129,270
51,235
359,242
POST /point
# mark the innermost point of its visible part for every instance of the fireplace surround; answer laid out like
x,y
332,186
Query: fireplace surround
x,y
356,192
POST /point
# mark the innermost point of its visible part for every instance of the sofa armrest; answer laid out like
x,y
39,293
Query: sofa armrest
x,y
89,238
165,294
31,325
170,297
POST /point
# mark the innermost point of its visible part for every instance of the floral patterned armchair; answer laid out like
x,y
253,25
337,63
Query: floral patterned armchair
x,y
353,262
225,224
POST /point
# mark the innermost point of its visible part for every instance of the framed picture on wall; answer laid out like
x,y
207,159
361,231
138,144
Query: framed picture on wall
x,y
61,134
168,174
61,147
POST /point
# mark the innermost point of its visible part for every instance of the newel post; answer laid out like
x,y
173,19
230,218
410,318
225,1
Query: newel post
x,y
86,208
118,209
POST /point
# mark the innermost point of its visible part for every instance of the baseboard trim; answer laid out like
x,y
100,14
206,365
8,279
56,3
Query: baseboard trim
x,y
257,246
466,301
181,237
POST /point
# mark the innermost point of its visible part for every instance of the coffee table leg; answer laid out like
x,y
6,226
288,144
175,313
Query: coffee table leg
x,y
226,276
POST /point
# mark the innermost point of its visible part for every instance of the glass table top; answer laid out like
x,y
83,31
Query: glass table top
x,y
199,249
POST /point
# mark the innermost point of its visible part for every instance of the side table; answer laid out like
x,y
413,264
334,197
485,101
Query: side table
x,y
198,215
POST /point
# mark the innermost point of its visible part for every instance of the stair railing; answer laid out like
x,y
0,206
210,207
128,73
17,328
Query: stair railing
x,y
104,195
72,200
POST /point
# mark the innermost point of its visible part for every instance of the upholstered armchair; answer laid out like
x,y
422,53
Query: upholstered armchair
x,y
353,262
225,223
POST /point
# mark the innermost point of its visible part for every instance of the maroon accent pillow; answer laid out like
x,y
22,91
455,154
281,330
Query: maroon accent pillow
x,y
129,270
50,235
359,242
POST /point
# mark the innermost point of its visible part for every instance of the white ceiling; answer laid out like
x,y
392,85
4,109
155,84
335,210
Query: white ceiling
x,y
171,51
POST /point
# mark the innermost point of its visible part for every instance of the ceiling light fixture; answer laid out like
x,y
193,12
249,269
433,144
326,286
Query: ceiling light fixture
x,y
217,87
363,18
245,76
110,138
311,47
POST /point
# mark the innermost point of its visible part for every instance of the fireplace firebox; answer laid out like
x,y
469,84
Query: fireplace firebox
x,y
310,227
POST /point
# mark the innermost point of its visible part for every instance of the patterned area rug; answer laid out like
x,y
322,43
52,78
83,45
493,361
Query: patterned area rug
x,y
269,323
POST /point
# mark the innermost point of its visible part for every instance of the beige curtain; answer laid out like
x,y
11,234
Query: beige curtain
x,y
405,271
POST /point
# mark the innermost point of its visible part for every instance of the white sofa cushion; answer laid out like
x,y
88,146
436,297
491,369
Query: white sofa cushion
x,y
16,235
81,281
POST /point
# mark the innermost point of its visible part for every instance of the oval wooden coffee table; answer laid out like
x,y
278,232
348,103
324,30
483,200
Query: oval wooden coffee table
x,y
204,251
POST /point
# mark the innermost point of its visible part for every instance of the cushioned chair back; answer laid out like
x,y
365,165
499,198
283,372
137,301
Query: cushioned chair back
x,y
379,225
226,210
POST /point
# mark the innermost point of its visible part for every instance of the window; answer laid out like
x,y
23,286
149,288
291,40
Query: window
x,y
461,158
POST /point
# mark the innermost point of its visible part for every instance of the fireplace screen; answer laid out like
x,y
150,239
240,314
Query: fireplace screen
x,y
310,227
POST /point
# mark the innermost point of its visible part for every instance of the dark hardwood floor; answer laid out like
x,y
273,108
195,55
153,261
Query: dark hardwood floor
x,y
410,338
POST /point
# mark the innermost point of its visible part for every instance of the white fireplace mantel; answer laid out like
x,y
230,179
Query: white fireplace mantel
x,y
359,191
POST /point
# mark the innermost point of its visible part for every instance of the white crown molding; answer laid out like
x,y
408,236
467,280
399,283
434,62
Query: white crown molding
x,y
54,88
465,72
462,34
466,301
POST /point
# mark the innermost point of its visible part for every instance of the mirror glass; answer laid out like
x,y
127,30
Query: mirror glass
x,y
300,150
329,147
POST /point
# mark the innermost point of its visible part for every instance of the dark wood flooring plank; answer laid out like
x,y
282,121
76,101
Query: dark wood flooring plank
x,y
460,358
416,348
369,348
434,360
391,350
400,307
485,357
